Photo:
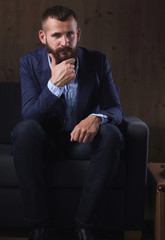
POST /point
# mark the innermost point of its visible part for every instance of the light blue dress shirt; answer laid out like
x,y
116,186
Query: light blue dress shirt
x,y
70,92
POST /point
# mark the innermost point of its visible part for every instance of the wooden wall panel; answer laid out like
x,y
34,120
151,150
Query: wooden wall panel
x,y
132,34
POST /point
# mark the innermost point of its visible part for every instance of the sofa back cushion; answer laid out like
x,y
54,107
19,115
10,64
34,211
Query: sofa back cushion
x,y
10,109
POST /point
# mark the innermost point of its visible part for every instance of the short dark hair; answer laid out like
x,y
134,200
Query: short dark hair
x,y
61,13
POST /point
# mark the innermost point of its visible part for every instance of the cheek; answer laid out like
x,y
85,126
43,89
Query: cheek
x,y
74,42
53,43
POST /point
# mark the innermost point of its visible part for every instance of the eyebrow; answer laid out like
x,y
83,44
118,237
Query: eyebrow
x,y
59,33
55,34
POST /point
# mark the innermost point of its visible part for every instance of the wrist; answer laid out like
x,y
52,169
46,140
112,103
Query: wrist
x,y
53,82
98,119
58,91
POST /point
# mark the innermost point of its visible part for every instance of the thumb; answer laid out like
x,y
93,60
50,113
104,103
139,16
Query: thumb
x,y
53,60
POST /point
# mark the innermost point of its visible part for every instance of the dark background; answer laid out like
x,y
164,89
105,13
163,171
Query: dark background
x,y
130,32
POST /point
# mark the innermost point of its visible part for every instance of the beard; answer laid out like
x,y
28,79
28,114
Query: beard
x,y
62,53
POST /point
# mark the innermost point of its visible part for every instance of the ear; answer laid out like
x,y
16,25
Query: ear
x,y
78,34
42,36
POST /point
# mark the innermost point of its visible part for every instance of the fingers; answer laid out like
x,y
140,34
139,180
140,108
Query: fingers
x,y
71,76
81,138
53,60
75,134
84,138
70,67
78,135
86,130
70,60
62,73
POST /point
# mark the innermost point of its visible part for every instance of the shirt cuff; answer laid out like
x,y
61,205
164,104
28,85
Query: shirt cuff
x,y
103,117
58,91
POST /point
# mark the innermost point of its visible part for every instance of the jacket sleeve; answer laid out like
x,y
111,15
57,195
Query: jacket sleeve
x,y
37,104
109,99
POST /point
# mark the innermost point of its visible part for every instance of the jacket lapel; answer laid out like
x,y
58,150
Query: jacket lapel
x,y
43,69
85,83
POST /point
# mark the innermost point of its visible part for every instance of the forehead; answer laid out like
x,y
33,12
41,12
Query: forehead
x,y
54,25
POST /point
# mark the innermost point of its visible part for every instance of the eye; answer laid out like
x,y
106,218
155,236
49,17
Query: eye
x,y
70,34
56,35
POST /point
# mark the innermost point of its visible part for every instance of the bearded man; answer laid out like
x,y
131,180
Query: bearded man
x,y
69,106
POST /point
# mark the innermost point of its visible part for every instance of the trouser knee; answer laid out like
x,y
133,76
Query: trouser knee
x,y
27,131
109,136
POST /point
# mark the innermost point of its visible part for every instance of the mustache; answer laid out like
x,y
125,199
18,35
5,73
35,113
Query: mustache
x,y
60,49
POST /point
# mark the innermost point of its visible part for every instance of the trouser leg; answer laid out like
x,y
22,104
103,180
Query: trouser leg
x,y
30,144
105,150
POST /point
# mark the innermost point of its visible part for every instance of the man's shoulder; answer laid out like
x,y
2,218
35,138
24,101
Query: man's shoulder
x,y
91,53
92,59
33,56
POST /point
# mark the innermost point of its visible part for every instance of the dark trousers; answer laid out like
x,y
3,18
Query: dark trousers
x,y
33,148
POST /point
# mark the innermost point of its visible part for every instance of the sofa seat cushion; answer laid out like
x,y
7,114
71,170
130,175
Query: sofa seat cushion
x,y
8,176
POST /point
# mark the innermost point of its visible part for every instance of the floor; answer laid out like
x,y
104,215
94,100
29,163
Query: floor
x,y
147,234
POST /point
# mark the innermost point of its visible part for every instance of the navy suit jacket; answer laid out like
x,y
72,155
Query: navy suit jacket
x,y
96,90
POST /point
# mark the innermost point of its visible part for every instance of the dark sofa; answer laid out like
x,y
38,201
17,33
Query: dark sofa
x,y
124,205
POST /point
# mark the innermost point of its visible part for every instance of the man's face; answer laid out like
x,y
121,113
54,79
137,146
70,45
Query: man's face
x,y
61,38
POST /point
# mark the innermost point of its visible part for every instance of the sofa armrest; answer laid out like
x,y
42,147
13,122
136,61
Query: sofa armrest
x,y
135,154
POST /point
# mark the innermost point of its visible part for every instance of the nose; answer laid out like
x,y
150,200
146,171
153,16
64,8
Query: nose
x,y
64,41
